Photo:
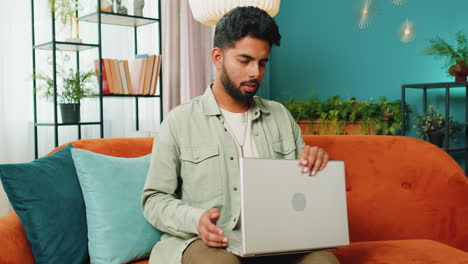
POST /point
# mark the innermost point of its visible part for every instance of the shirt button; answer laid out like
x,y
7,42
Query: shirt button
x,y
256,113
196,156
256,134
235,188
234,220
225,129
231,158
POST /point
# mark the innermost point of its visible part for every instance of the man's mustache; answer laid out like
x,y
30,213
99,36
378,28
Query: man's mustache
x,y
254,81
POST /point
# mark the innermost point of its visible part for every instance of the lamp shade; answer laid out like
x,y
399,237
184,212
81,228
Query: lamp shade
x,y
208,12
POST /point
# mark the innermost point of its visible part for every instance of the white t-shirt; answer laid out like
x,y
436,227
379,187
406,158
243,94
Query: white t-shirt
x,y
240,127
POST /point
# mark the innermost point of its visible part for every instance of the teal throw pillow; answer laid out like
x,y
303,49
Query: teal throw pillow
x,y
46,195
112,189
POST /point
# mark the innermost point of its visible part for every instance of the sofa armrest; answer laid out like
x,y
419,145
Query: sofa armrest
x,y
14,246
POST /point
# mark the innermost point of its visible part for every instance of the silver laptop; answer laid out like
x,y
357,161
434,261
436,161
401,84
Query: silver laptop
x,y
284,211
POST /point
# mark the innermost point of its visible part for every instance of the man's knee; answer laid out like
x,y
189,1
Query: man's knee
x,y
320,257
199,253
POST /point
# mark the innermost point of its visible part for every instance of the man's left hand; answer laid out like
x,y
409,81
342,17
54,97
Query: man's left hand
x,y
313,160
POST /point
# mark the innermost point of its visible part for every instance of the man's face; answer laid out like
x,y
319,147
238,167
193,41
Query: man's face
x,y
243,67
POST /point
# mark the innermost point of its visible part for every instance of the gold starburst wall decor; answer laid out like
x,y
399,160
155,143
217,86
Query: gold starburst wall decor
x,y
407,31
399,2
364,13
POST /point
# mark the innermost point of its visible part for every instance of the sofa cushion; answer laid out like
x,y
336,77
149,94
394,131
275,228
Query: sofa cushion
x,y
401,251
46,195
112,189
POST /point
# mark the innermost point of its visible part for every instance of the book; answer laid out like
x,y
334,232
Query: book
x,y
158,73
102,74
110,77
144,58
123,77
116,75
128,77
135,73
155,75
141,56
148,73
142,76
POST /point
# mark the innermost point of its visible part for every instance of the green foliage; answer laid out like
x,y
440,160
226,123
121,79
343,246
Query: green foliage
x,y
337,111
384,117
64,8
73,85
433,122
304,110
442,49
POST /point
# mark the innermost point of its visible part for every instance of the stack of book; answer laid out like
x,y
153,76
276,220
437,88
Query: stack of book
x,y
135,77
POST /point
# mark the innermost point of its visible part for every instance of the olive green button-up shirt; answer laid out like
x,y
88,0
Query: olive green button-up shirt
x,y
195,167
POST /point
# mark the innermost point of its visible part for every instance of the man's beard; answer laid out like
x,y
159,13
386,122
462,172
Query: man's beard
x,y
234,92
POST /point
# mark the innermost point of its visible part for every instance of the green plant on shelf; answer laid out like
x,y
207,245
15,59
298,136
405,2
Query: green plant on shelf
x,y
432,122
74,85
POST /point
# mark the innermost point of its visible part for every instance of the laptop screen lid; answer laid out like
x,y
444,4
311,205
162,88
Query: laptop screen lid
x,y
284,210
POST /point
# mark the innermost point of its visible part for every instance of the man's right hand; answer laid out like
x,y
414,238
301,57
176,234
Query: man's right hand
x,y
212,235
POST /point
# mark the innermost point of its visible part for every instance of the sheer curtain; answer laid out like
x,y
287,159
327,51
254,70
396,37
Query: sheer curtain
x,y
186,54
16,141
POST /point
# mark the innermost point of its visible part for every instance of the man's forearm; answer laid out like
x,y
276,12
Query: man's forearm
x,y
170,215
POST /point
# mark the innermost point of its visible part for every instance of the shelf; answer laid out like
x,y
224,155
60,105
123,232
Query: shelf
x,y
68,124
436,85
118,19
129,95
445,86
66,46
99,18
459,125
457,149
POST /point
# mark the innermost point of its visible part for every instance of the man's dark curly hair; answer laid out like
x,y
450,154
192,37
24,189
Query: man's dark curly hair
x,y
241,22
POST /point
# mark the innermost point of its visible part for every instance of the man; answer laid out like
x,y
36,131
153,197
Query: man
x,y
191,192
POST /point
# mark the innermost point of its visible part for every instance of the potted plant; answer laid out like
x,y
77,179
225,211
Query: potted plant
x,y
347,116
431,124
383,117
458,55
335,113
392,116
65,10
304,112
72,86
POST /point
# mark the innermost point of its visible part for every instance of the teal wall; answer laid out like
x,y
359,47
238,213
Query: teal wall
x,y
323,54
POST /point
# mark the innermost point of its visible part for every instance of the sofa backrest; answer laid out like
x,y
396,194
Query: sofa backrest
x,y
117,147
401,188
397,187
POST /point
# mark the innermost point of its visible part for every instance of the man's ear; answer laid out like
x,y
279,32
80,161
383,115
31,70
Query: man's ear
x,y
217,56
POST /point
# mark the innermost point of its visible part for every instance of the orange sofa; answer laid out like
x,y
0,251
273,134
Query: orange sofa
x,y
407,200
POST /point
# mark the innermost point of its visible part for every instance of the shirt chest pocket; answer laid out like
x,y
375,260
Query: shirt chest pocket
x,y
285,148
200,172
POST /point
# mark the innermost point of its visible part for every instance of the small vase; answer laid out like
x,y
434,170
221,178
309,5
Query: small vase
x,y
459,70
138,7
70,113
437,139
